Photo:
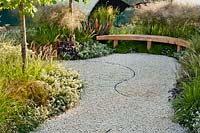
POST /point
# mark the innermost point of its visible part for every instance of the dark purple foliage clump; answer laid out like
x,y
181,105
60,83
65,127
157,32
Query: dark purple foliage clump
x,y
177,89
67,50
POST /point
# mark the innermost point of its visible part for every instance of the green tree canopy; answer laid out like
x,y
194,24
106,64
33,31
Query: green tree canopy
x,y
29,5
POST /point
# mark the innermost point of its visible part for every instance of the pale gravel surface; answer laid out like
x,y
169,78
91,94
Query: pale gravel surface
x,y
144,109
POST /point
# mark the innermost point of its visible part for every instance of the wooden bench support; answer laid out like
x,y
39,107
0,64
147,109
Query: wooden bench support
x,y
149,43
115,43
178,48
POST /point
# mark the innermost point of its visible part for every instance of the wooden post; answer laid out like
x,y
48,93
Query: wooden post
x,y
149,43
115,43
178,48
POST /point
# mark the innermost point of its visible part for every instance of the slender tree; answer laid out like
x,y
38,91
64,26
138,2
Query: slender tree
x,y
25,7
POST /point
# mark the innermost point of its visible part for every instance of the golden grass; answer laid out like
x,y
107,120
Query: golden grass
x,y
60,15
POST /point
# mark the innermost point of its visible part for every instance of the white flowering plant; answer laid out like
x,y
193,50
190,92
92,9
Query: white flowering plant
x,y
65,86
44,90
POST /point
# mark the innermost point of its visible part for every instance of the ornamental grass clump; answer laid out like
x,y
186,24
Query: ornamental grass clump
x,y
11,64
164,18
187,103
191,59
59,15
101,20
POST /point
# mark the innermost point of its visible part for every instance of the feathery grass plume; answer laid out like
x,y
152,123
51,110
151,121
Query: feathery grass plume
x,y
60,15
164,18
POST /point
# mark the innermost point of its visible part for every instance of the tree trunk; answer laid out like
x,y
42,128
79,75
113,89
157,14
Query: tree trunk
x,y
71,6
72,35
23,38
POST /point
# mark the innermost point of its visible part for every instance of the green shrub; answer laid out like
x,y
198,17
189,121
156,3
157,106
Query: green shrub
x,y
92,49
163,49
131,47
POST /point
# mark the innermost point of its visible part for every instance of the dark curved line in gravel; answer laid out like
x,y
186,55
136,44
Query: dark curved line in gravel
x,y
125,80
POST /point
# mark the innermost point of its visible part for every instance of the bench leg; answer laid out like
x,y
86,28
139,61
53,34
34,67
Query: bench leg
x,y
178,48
149,43
115,43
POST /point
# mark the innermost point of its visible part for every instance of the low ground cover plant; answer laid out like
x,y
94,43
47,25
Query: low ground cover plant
x,y
42,91
92,49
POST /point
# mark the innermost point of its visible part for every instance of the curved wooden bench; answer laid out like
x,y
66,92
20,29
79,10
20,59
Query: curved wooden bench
x,y
149,38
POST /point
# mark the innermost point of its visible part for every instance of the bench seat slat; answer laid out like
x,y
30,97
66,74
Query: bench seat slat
x,y
152,38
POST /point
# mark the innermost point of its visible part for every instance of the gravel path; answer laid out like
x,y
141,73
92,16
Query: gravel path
x,y
124,94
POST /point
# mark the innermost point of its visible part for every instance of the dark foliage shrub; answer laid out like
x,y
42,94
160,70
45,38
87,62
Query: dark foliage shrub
x,y
68,50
